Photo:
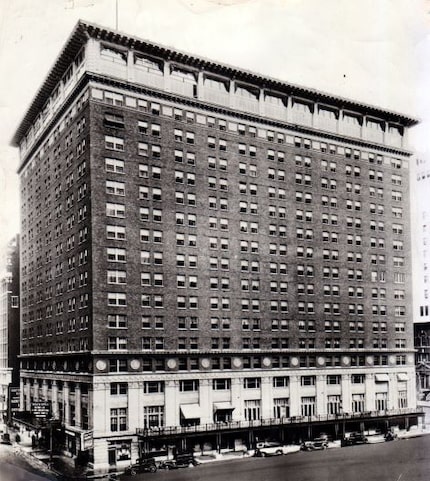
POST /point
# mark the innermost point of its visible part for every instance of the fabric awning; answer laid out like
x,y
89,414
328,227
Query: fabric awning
x,y
382,378
223,406
191,411
402,376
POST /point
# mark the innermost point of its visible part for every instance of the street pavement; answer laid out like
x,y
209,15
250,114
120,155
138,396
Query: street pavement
x,y
400,460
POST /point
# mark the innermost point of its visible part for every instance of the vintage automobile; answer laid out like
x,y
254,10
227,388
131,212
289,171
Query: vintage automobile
x,y
354,438
315,445
183,460
143,465
274,449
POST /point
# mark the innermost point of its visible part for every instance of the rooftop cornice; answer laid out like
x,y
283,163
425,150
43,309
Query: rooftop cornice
x,y
84,30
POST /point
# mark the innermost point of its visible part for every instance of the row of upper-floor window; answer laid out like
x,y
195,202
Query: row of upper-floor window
x,y
190,198
156,279
115,343
193,323
117,187
117,254
118,210
145,149
118,232
190,323
154,343
119,299
242,149
117,166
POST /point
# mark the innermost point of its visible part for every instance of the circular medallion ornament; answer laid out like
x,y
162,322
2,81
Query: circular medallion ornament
x,y
346,361
171,363
205,363
135,364
237,362
101,365
320,361
369,360
267,361
294,361
392,359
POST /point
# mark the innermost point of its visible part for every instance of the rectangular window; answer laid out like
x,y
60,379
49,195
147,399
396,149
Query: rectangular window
x,y
114,143
307,380
115,210
114,165
251,382
221,384
118,419
115,188
187,385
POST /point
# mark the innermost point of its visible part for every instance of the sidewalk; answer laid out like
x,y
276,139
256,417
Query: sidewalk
x,y
63,467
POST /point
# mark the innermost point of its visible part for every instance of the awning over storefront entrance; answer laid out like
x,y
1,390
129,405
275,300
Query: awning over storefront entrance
x,y
402,376
382,378
191,411
223,406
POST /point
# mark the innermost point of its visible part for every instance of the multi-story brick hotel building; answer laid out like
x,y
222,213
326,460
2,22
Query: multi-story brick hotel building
x,y
209,256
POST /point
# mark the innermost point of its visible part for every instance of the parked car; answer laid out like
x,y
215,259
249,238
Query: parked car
x,y
183,460
274,449
354,438
315,445
390,436
143,465
376,438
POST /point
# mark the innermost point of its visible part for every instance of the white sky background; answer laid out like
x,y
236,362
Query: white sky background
x,y
375,51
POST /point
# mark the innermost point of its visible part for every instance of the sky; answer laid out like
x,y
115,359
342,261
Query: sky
x,y
374,51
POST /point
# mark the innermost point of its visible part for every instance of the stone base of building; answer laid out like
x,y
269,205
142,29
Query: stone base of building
x,y
115,454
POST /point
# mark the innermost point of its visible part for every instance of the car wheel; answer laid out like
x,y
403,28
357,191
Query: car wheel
x,y
263,455
153,469
133,472
279,451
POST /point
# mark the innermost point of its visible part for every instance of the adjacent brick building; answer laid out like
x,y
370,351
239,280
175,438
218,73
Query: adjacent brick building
x,y
205,249
9,324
